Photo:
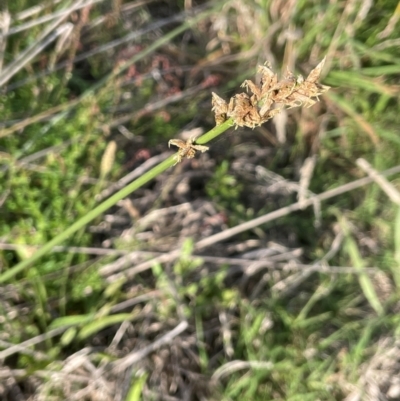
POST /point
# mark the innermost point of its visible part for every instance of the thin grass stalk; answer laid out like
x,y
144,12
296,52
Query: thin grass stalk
x,y
64,109
25,58
97,211
46,37
49,17
108,46
32,11
395,268
5,20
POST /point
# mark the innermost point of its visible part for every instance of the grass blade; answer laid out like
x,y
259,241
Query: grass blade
x,y
358,263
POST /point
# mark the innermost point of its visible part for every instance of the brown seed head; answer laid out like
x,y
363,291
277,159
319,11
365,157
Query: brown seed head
x,y
269,97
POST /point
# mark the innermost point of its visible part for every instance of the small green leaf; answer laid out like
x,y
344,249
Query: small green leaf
x,y
101,323
71,320
135,392
68,336
396,268
358,263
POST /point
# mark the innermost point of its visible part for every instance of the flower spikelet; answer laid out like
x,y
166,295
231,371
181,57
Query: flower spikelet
x,y
269,97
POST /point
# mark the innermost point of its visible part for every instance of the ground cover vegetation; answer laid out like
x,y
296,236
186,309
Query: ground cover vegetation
x,y
260,261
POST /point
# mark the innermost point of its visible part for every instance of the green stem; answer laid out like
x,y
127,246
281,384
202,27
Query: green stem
x,y
216,131
98,210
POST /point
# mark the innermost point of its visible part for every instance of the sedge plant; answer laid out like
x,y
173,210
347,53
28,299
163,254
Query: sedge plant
x,y
266,99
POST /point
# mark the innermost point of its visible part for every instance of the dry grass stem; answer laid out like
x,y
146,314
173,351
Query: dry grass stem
x,y
226,234
234,366
49,17
306,173
226,334
32,341
391,24
269,97
26,57
5,20
150,108
136,356
386,186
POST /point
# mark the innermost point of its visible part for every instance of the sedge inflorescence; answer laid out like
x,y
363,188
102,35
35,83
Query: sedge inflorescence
x,y
269,97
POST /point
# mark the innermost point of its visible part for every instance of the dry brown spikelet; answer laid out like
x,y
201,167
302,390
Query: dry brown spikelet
x,y
269,97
